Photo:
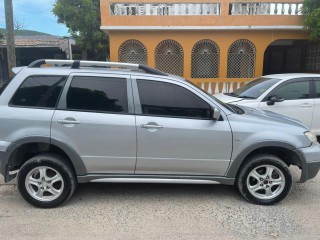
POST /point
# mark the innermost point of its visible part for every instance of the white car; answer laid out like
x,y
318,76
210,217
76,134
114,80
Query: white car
x,y
294,95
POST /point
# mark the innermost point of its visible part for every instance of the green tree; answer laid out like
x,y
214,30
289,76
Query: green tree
x,y
82,18
311,18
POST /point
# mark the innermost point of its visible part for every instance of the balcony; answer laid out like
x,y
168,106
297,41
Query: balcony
x,y
201,15
164,9
260,8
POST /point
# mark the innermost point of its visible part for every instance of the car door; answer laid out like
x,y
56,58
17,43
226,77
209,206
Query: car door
x,y
175,132
316,114
298,102
95,118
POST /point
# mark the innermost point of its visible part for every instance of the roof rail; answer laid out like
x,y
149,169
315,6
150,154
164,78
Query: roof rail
x,y
76,64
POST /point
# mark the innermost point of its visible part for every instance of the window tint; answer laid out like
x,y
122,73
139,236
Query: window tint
x,y
292,91
39,91
255,88
165,99
98,94
5,84
318,88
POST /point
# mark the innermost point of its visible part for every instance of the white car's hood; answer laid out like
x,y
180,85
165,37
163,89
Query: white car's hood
x,y
227,99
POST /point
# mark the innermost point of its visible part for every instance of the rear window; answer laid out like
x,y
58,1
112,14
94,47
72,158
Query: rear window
x,y
4,84
39,92
98,94
318,88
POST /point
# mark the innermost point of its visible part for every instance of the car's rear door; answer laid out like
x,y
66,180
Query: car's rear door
x,y
316,114
95,118
298,101
175,132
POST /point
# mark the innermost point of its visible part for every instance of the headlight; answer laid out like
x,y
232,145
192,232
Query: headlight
x,y
311,136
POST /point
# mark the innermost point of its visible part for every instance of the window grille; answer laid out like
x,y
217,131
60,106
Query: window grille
x,y
205,60
313,57
169,57
241,59
133,51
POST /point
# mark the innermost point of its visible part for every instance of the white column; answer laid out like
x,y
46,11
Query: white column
x,y
202,86
148,8
224,88
216,91
210,88
231,87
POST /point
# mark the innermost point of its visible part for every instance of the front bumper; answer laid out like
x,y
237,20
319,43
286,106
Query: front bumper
x,y
310,161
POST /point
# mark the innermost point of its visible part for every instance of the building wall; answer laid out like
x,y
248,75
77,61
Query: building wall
x,y
187,39
224,19
223,28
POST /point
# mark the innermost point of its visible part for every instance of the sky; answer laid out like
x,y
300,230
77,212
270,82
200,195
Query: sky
x,y
35,15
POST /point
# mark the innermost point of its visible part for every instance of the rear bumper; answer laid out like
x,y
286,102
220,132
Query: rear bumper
x,y
310,159
3,164
5,154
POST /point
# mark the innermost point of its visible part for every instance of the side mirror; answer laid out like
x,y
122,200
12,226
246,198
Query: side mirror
x,y
273,99
216,114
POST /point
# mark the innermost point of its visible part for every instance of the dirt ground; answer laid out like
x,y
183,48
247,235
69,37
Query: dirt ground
x,y
158,211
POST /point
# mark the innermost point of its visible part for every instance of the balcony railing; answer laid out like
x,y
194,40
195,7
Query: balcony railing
x,y
221,85
245,8
165,9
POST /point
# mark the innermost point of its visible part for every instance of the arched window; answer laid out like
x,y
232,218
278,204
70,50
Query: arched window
x,y
169,57
133,51
241,59
205,60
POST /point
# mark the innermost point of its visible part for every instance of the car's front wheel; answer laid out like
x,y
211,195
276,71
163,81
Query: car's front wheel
x,y
46,181
264,179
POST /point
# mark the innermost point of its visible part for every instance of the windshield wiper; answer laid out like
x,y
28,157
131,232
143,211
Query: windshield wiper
x,y
231,94
247,97
236,109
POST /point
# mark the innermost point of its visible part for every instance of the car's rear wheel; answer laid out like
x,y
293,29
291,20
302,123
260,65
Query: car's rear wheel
x,y
264,179
46,181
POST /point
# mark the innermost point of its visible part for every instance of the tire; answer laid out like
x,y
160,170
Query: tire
x,y
46,181
258,186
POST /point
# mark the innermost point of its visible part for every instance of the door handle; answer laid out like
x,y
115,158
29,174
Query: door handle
x,y
151,126
306,105
66,121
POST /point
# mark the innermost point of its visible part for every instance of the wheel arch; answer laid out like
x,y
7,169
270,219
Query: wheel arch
x,y
23,149
284,151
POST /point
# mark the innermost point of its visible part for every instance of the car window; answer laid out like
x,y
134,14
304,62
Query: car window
x,y
98,94
318,88
293,91
5,84
166,99
255,88
39,91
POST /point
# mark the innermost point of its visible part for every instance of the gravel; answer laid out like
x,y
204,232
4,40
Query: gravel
x,y
158,211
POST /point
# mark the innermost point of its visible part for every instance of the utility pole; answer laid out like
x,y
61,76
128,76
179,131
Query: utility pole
x,y
11,53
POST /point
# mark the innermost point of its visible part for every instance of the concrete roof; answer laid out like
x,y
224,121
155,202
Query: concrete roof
x,y
38,41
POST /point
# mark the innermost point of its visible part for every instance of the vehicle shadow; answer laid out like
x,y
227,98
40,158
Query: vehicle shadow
x,y
168,192
118,191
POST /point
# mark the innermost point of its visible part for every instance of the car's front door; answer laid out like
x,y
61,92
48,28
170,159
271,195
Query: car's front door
x,y
298,102
176,133
95,118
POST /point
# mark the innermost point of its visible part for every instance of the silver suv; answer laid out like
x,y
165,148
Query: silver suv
x,y
68,122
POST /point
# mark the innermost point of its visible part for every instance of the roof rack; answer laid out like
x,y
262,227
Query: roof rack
x,y
76,64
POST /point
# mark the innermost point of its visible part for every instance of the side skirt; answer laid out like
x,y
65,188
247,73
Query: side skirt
x,y
117,178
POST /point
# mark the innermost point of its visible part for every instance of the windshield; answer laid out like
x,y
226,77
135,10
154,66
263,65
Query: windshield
x,y
254,89
214,98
